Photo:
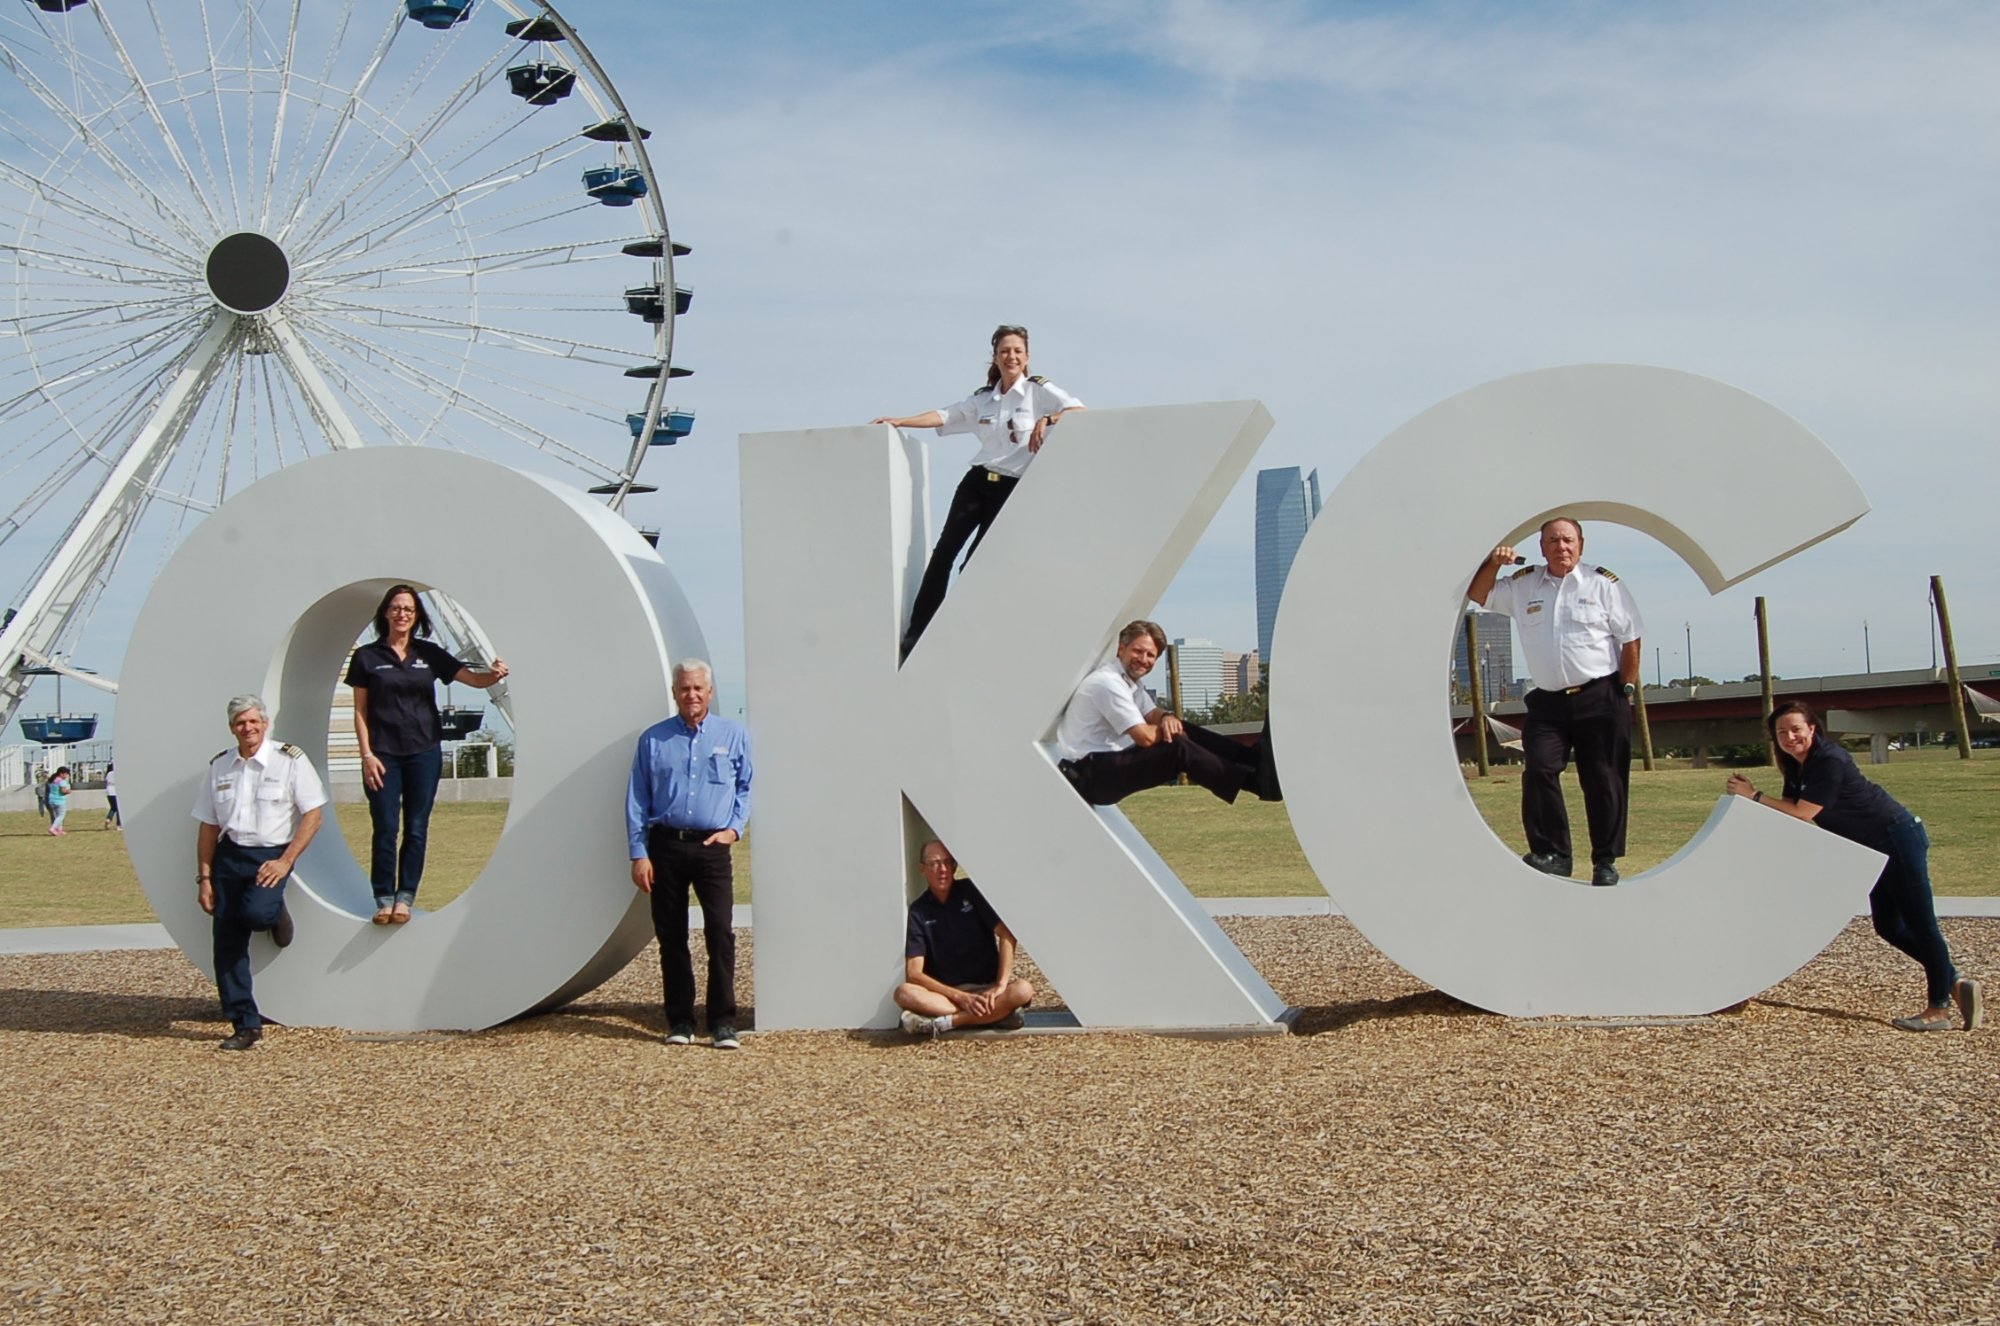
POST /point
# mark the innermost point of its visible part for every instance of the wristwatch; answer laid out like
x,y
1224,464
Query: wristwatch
x,y
1630,690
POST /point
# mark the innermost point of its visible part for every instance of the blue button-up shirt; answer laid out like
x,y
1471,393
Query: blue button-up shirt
x,y
688,778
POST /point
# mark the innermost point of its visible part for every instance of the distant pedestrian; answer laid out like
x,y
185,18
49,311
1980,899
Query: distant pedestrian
x,y
111,818
42,793
58,800
1011,416
1823,786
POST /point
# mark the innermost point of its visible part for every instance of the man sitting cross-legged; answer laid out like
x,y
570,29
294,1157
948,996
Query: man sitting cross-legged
x,y
958,962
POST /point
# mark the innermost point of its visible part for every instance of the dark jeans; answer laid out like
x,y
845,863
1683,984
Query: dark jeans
x,y
1904,914
677,867
409,784
978,499
240,909
1595,722
1223,766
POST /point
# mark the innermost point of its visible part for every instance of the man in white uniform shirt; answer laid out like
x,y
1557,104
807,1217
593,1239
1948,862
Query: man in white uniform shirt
x,y
1115,741
259,806
1580,632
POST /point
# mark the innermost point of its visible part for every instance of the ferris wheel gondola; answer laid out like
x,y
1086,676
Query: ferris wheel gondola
x,y
243,232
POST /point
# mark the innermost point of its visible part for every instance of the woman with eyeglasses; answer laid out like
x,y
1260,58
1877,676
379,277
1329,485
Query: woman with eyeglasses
x,y
1011,416
396,723
1825,787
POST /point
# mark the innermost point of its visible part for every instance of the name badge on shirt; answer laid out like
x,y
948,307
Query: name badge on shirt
x,y
1534,606
986,418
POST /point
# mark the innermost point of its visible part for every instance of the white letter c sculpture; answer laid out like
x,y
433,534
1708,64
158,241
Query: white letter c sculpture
x,y
269,593
1372,777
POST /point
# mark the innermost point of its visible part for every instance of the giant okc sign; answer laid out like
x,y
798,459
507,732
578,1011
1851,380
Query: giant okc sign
x,y
859,758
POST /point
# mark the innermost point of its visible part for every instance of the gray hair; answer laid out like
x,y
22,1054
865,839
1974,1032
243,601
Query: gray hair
x,y
243,704
688,665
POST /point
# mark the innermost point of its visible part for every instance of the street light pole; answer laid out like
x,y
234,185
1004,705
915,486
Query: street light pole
x,y
1867,658
1689,628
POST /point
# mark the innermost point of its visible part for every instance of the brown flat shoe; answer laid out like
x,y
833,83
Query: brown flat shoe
x,y
1931,1019
401,914
1971,1010
382,916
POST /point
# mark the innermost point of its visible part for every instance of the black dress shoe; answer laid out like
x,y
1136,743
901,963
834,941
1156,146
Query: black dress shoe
x,y
244,1038
1604,876
1265,781
1549,863
283,930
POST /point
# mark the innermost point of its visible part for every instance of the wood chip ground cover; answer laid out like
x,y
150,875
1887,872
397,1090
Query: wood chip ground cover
x,y
1403,1158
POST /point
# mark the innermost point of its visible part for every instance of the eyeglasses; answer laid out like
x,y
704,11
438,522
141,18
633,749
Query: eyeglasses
x,y
940,861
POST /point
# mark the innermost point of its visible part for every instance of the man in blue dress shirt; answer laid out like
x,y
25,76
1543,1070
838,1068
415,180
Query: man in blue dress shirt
x,y
686,803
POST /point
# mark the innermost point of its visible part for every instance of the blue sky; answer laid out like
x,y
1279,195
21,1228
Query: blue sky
x,y
1350,212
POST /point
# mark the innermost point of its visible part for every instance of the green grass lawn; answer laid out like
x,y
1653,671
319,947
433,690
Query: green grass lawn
x,y
1246,850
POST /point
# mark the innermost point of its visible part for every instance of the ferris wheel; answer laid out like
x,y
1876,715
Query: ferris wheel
x,y
242,232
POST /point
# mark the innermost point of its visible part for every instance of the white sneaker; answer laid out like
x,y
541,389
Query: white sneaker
x,y
916,1024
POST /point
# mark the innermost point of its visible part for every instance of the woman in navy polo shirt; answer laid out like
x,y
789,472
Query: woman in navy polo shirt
x,y
1823,785
396,723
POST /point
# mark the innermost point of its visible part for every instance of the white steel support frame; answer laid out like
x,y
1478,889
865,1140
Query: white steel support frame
x,y
98,532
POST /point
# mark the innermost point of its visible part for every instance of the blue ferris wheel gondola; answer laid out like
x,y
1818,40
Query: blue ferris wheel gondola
x,y
615,186
541,83
675,424
436,14
60,729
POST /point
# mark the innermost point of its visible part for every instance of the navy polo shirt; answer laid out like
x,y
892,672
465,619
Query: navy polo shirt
x,y
402,694
955,937
1850,805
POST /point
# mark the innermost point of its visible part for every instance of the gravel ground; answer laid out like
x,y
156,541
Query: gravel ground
x,y
1404,1158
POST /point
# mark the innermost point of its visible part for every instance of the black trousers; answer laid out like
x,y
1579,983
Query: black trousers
x,y
978,499
1595,722
1215,762
677,867
241,908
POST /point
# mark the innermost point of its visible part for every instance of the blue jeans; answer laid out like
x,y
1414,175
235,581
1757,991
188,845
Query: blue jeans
x,y
1900,905
409,785
241,907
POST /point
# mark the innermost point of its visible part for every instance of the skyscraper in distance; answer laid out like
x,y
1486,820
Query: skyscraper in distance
x,y
1287,503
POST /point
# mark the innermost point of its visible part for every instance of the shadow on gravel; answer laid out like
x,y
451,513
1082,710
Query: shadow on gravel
x,y
1320,1019
625,1021
1818,1011
143,1017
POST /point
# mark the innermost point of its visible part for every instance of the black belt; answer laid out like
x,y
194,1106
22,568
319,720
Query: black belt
x,y
1594,681
684,835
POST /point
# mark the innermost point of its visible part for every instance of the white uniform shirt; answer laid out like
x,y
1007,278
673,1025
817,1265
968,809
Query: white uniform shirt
x,y
1571,629
257,802
1003,421
1102,713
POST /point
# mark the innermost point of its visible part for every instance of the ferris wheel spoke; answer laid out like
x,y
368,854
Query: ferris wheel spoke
x,y
100,148
284,101
430,207
568,253
356,192
418,323
215,102
150,104
336,138
480,406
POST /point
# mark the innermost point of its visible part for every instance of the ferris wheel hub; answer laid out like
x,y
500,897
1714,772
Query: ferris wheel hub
x,y
248,273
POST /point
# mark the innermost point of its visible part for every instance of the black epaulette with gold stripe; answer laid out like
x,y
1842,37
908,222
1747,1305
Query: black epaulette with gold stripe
x,y
219,754
291,750
1037,378
1607,574
1524,571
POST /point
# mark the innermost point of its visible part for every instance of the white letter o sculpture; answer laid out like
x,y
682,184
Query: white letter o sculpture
x,y
269,593
1372,778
